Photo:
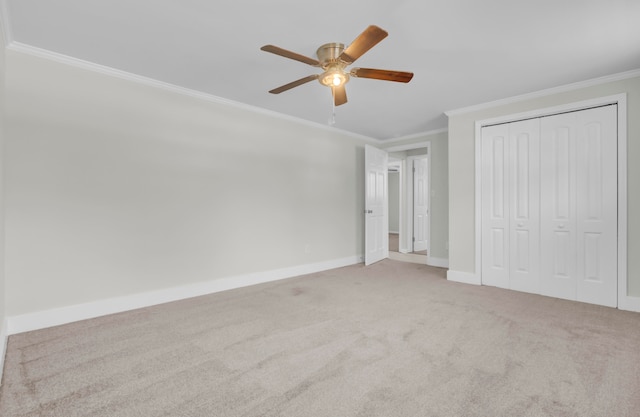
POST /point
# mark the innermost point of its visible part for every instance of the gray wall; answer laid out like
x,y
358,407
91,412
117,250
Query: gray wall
x,y
439,187
394,202
462,170
115,188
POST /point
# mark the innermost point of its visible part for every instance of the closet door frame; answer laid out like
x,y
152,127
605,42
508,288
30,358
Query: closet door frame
x,y
624,302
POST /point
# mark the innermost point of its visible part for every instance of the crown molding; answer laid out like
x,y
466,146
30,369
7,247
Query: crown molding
x,y
408,147
5,24
415,135
547,92
124,75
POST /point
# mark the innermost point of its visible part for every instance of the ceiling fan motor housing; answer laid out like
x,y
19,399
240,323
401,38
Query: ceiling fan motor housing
x,y
329,53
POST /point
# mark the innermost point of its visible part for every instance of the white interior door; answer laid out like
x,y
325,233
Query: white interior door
x,y
420,204
376,205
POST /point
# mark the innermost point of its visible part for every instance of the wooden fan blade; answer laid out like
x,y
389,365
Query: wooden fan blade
x,y
291,55
365,41
294,84
386,75
339,95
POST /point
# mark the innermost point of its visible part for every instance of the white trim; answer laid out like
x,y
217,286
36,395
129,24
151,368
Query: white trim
x,y
402,201
439,262
5,23
406,192
629,303
408,226
410,194
409,147
415,135
625,302
68,314
478,199
406,181
562,108
549,91
463,277
3,346
408,257
5,32
112,72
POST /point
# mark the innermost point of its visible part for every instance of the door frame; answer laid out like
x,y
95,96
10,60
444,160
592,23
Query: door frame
x,y
406,230
624,301
399,164
411,201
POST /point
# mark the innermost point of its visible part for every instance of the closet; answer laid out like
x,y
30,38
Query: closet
x,y
549,205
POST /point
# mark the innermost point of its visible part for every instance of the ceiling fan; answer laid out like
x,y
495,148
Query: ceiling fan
x,y
333,58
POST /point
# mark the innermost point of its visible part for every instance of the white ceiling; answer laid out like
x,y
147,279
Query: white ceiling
x,y
462,52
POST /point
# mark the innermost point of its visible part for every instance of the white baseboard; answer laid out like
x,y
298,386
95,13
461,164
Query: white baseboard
x,y
463,277
439,262
629,303
68,314
3,346
393,232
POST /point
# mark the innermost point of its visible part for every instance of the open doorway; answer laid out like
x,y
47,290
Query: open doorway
x,y
395,206
408,194
401,159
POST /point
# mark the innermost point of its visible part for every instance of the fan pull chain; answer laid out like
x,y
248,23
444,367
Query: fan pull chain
x,y
332,120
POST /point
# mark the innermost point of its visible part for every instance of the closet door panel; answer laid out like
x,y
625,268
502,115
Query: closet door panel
x,y
558,206
597,217
579,206
524,222
495,207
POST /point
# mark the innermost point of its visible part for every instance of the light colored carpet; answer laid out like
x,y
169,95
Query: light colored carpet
x,y
392,339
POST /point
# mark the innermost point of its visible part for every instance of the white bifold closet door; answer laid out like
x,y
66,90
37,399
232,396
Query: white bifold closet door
x,y
510,205
580,211
549,205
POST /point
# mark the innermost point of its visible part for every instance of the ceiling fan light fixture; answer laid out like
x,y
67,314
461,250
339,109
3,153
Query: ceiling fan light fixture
x,y
333,77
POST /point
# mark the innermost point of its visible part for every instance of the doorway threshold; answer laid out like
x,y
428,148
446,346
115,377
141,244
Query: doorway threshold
x,y
408,257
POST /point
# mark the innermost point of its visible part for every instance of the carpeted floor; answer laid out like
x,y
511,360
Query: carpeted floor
x,y
392,339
